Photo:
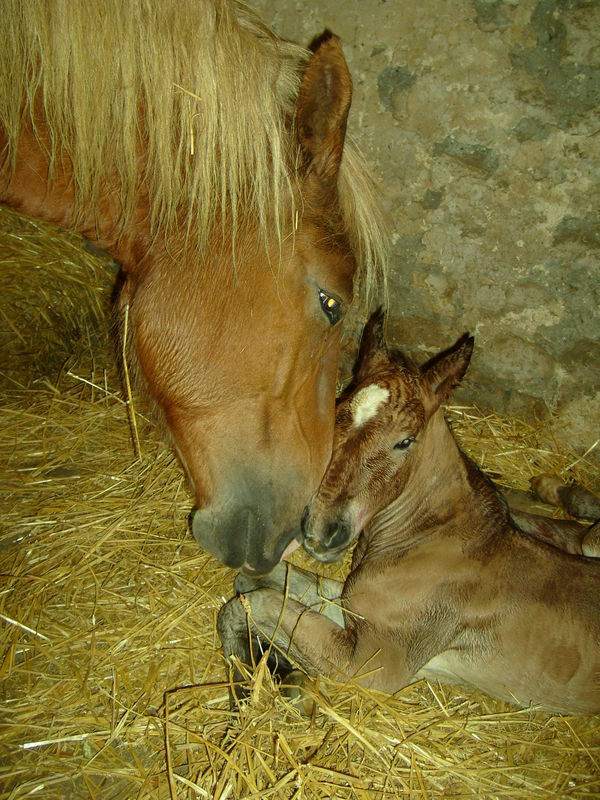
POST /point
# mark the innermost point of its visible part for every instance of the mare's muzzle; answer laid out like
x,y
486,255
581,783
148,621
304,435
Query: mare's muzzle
x,y
242,536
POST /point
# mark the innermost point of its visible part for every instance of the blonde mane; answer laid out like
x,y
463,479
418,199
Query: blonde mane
x,y
201,87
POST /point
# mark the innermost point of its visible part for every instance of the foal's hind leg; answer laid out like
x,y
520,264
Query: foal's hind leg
x,y
565,534
578,502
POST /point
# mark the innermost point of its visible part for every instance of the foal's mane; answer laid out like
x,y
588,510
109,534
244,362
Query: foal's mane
x,y
202,86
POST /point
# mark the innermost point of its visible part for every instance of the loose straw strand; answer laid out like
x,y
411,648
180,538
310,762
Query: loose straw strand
x,y
130,407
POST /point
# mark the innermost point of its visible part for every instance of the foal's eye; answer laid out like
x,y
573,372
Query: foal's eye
x,y
332,308
405,443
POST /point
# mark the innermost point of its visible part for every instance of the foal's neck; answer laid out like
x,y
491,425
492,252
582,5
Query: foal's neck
x,y
443,491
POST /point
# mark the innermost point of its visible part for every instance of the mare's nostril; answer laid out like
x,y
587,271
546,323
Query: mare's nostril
x,y
304,520
337,535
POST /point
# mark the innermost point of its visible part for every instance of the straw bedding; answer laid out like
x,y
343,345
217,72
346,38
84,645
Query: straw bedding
x,y
112,680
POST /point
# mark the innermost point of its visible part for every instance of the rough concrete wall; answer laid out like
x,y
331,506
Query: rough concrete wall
x,y
481,120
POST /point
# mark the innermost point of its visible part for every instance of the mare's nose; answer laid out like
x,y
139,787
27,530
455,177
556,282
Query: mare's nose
x,y
304,520
241,537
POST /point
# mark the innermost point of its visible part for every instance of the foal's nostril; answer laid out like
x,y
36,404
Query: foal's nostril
x,y
337,535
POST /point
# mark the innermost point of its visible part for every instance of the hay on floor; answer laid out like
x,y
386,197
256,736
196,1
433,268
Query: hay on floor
x,y
112,680
54,298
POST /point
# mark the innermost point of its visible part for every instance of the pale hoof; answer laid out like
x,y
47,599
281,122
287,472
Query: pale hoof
x,y
547,488
272,580
591,542
300,690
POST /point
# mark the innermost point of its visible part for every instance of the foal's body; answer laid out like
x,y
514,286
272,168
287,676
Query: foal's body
x,y
443,584
461,595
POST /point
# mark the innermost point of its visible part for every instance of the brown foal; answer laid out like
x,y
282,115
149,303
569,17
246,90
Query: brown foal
x,y
444,584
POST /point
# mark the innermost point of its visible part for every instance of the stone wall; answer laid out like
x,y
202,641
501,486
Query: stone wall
x,y
481,120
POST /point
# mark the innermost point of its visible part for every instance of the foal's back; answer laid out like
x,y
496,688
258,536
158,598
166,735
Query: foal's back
x,y
540,610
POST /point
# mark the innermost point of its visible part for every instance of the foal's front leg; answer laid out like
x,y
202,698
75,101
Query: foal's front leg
x,y
313,591
314,642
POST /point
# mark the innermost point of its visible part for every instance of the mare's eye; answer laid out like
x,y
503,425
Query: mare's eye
x,y
405,443
332,308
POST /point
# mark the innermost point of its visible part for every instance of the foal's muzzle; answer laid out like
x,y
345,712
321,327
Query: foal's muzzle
x,y
326,541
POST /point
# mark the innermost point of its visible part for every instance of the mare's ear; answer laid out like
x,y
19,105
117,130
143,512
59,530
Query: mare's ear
x,y
323,105
373,352
445,371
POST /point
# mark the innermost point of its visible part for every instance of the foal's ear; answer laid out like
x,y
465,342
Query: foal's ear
x,y
373,352
323,105
446,370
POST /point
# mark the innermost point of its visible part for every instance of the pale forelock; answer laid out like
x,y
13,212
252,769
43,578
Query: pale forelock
x,y
366,402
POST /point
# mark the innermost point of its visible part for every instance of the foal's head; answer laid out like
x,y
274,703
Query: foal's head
x,y
379,433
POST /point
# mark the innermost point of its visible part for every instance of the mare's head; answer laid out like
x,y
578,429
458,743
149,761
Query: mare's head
x,y
380,427
221,180
242,354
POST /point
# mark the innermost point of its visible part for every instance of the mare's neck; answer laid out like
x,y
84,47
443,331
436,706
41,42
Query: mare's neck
x,y
29,191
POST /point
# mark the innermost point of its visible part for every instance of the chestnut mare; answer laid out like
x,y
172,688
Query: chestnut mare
x,y
209,158
443,584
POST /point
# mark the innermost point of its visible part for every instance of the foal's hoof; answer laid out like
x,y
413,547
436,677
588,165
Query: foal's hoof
x,y
272,580
547,487
244,584
300,690
576,500
591,542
